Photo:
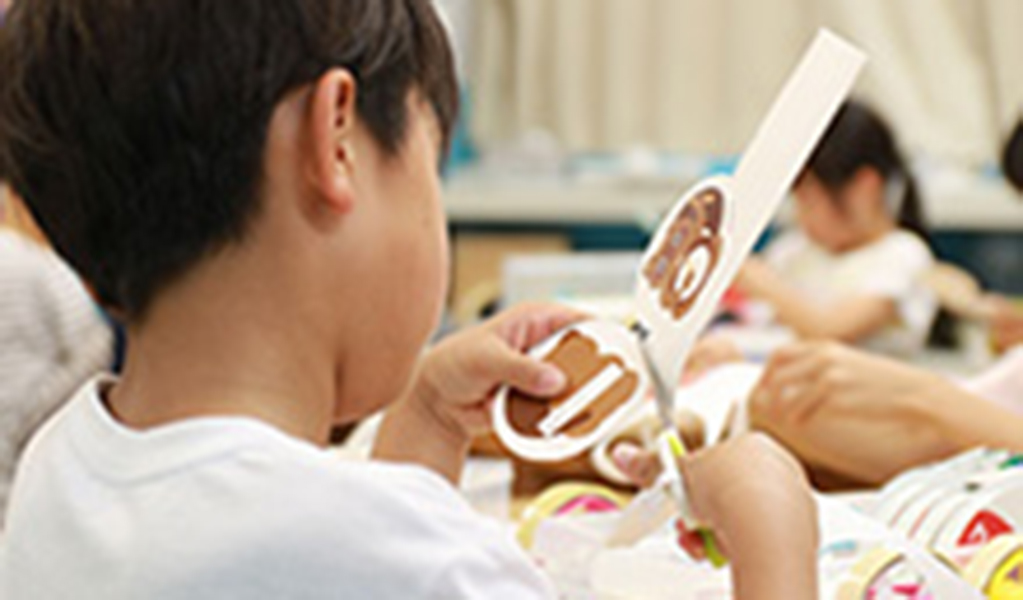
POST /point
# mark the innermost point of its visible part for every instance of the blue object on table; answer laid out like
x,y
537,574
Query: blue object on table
x,y
721,165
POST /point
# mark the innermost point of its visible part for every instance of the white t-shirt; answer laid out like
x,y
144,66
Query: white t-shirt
x,y
226,508
891,268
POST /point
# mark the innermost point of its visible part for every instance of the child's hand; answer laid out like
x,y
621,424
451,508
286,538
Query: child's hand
x,y
755,498
721,479
734,485
453,390
458,377
807,378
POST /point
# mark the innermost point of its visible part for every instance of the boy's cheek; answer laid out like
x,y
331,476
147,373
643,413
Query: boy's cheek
x,y
434,274
442,267
442,246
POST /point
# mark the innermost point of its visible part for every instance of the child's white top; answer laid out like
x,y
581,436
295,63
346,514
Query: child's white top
x,y
52,339
220,508
892,268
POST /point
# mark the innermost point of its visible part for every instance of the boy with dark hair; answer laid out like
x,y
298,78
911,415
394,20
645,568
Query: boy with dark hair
x,y
252,185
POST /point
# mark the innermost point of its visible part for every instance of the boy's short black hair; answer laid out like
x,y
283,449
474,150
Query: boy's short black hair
x,y
136,129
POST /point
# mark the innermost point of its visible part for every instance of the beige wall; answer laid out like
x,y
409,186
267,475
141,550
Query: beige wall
x,y
697,74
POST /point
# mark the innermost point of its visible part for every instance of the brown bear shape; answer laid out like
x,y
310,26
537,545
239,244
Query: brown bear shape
x,y
579,357
697,227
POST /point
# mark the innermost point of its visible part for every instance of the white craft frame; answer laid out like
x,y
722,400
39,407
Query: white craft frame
x,y
613,339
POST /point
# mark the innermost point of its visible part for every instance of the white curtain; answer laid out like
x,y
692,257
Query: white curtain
x,y
697,75
457,14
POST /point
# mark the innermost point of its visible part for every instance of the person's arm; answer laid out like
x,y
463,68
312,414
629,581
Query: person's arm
x,y
968,421
755,495
847,320
776,562
869,417
413,432
450,400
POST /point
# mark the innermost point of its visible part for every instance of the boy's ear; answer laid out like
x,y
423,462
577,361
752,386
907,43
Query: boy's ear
x,y
332,116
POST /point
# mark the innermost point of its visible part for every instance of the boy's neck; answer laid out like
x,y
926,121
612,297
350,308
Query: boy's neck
x,y
227,345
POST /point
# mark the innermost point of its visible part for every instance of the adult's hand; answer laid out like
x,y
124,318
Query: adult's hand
x,y
802,379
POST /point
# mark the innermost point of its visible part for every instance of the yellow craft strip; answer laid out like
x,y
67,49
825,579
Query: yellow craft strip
x,y
554,499
998,569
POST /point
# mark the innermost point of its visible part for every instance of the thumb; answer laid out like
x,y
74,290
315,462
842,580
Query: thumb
x,y
525,373
642,467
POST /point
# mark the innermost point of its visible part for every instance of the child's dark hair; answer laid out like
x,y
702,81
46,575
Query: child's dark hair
x,y
858,138
135,130
1012,157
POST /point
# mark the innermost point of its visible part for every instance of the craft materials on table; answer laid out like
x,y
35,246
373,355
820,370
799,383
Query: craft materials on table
x,y
588,536
963,517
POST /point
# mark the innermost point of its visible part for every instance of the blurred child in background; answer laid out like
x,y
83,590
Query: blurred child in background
x,y
852,269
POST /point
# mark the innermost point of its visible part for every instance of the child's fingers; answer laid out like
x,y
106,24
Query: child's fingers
x,y
529,324
551,319
783,387
794,352
811,398
641,467
505,365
